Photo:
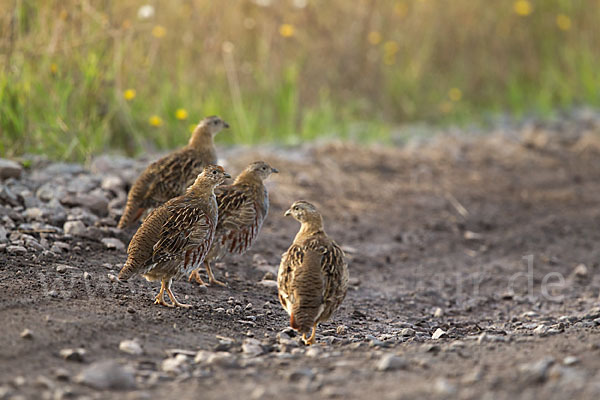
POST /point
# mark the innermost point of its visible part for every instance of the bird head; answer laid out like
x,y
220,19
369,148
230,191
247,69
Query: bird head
x,y
262,169
213,125
304,212
214,174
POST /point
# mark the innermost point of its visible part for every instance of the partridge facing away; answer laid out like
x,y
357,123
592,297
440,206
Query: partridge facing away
x,y
174,239
169,176
313,273
243,206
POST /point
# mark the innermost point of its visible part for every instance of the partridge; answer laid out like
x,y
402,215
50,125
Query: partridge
x,y
171,175
243,206
174,239
313,274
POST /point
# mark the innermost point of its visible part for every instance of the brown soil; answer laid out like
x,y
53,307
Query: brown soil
x,y
446,225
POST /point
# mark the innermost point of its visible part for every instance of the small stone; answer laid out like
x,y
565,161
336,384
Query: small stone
x,y
113,244
107,375
27,334
390,362
443,387
61,269
16,250
248,306
570,360
269,284
541,330
581,271
175,365
252,347
112,183
439,333
536,372
341,329
312,352
407,332
62,374
112,277
269,276
76,355
75,228
438,312
300,374
10,169
86,275
131,347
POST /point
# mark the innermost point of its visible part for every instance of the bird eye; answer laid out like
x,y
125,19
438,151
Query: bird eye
x,y
296,208
214,172
215,122
264,168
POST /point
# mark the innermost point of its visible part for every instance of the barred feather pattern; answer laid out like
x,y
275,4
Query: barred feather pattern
x,y
174,239
164,179
242,211
312,289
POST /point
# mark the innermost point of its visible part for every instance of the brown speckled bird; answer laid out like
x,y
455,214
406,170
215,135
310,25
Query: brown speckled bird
x,y
243,206
313,274
174,239
171,175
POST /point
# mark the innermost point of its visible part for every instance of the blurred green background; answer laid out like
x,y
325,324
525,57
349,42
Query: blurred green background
x,y
80,77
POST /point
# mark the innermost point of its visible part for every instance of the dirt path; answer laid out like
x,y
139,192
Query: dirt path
x,y
490,243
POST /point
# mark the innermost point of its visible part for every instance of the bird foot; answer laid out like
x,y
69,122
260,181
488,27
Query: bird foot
x,y
216,282
161,301
175,302
196,276
308,341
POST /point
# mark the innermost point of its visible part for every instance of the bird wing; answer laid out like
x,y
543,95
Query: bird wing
x,y
307,288
174,173
239,219
188,228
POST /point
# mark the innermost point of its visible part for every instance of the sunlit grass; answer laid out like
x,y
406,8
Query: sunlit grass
x,y
77,79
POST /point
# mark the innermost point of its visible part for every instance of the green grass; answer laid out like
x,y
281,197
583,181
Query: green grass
x,y
345,72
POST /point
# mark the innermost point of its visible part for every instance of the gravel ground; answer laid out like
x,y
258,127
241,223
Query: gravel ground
x,y
473,261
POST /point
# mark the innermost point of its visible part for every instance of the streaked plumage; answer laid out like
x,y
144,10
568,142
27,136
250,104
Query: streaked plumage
x,y
243,206
313,273
174,239
171,175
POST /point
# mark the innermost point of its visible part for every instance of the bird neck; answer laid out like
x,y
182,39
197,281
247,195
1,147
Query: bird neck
x,y
249,178
202,188
202,140
311,226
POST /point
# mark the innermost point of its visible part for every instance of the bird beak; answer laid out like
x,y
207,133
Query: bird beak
x,y
274,170
288,212
226,175
225,124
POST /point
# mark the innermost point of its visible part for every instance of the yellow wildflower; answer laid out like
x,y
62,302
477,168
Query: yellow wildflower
x,y
129,94
286,30
563,22
522,7
155,120
181,114
455,94
159,31
53,68
374,38
390,47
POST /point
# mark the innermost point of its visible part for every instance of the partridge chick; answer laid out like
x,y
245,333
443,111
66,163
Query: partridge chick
x,y
243,206
313,274
174,239
171,175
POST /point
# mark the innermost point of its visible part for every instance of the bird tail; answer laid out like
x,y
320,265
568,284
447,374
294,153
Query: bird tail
x,y
131,214
293,322
127,271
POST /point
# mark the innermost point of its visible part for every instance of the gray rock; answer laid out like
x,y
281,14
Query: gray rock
x,y
107,375
175,365
76,355
570,360
50,191
300,374
3,234
541,330
438,312
536,372
131,347
439,333
35,213
390,362
16,250
61,269
581,272
7,196
75,228
443,387
113,244
94,202
407,332
10,169
113,183
252,347
27,334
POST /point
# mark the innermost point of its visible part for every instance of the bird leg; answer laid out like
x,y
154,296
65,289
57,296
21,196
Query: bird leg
x,y
173,299
196,276
160,297
311,339
211,277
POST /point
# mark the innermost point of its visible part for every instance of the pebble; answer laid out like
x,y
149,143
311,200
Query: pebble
x,y
407,332
581,271
391,362
10,169
27,334
131,347
439,333
16,250
269,284
438,312
75,228
536,372
61,269
76,355
313,352
175,365
252,347
541,330
107,375
86,275
113,244
443,387
570,360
